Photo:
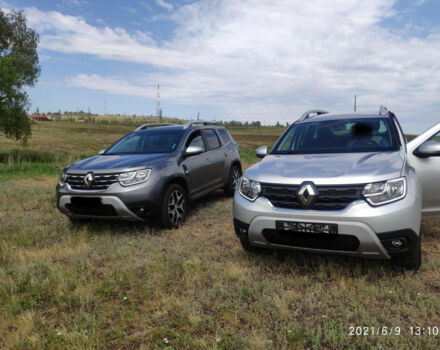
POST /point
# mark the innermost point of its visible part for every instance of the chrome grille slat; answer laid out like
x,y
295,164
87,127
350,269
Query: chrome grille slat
x,y
335,197
102,181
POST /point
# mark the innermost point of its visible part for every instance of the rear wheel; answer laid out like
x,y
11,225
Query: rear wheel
x,y
174,206
234,176
413,259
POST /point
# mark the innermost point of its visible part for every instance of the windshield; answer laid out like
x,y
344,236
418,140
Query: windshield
x,y
339,136
147,142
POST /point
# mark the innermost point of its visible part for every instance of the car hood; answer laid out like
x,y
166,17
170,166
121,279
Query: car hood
x,y
330,168
115,163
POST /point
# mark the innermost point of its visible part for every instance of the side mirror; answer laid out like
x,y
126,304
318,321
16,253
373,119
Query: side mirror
x,y
101,151
193,150
428,149
261,152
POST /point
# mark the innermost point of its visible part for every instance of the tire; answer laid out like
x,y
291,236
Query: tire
x,y
234,175
174,207
244,240
413,259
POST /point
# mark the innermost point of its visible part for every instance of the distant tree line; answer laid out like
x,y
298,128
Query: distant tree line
x,y
94,117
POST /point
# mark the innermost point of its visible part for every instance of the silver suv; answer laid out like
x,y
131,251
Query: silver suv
x,y
345,184
153,172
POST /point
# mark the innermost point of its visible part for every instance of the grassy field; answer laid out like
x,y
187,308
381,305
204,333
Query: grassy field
x,y
128,286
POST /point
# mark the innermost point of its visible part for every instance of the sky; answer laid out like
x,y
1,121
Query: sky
x,y
248,60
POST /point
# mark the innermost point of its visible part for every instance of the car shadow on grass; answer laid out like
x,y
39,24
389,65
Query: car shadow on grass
x,y
323,264
151,226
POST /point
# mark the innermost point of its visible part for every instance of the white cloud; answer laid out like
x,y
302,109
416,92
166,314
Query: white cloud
x,y
74,3
5,6
164,4
268,61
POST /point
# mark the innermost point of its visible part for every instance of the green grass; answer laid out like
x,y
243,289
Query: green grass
x,y
28,170
102,285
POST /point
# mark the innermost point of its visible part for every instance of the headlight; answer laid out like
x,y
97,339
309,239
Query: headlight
x,y
63,178
249,189
384,192
134,177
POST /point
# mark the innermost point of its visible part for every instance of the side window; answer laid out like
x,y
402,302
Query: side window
x,y
196,139
401,136
436,137
224,134
211,139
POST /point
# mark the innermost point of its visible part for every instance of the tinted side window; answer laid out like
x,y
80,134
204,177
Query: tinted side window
x,y
224,134
211,139
436,137
196,139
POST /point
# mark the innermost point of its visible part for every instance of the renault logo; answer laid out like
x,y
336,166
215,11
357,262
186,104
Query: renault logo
x,y
307,193
89,179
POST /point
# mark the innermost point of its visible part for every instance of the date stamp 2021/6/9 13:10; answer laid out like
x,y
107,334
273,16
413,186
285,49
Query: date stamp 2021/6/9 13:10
x,y
395,330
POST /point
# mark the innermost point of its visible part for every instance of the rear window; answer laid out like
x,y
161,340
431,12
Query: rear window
x,y
224,134
211,139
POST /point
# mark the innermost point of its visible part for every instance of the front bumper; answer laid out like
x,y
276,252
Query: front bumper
x,y
134,203
361,227
112,208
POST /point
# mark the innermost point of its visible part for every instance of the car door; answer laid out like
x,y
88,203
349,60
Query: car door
x,y
427,165
216,157
196,167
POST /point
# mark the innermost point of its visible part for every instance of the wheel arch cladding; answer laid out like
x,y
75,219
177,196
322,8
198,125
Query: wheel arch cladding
x,y
237,163
179,181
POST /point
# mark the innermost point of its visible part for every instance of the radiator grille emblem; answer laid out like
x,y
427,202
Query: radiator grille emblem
x,y
307,193
89,179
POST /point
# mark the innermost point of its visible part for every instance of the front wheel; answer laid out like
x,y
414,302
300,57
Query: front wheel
x,y
234,176
174,206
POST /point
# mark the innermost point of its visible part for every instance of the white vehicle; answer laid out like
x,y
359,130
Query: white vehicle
x,y
345,184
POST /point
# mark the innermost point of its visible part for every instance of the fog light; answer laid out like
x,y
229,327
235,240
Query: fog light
x,y
397,243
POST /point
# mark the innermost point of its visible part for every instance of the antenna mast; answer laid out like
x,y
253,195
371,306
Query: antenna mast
x,y
158,109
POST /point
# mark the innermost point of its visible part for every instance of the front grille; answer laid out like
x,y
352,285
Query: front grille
x,y
329,197
323,241
102,181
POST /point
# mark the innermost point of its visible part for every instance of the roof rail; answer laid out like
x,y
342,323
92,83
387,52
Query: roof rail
x,y
152,125
307,115
199,122
383,110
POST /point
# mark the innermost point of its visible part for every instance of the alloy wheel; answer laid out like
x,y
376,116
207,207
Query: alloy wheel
x,y
176,207
235,177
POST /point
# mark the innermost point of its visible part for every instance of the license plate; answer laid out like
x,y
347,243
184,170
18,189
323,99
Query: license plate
x,y
88,202
307,227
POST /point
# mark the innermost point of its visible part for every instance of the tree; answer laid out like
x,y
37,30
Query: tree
x,y
18,68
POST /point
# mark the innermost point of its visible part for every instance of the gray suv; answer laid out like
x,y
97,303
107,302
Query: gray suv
x,y
347,184
153,172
